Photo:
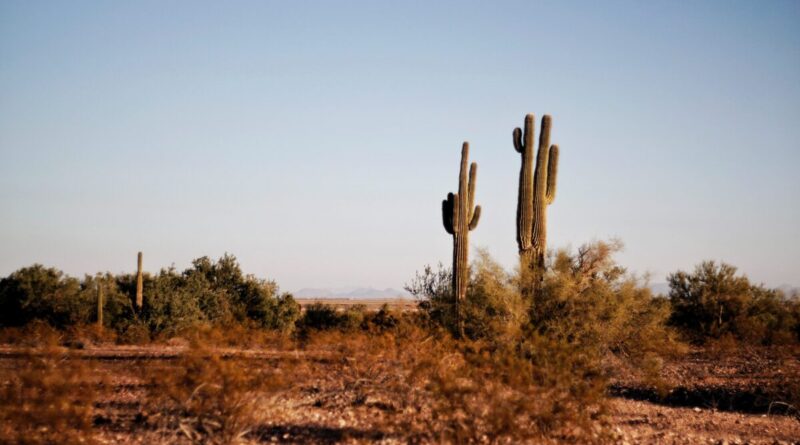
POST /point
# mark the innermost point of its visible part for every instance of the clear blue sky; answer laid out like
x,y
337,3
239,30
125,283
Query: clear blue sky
x,y
316,140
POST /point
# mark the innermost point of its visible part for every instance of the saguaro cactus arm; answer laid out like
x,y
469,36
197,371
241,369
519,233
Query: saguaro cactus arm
x,y
552,172
476,215
448,206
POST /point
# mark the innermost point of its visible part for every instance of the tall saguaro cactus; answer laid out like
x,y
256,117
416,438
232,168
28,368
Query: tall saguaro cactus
x,y
139,282
460,215
537,190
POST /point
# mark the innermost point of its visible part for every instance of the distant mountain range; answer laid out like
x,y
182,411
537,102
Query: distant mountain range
x,y
350,292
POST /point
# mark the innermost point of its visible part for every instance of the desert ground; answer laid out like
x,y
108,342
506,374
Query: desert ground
x,y
706,397
398,304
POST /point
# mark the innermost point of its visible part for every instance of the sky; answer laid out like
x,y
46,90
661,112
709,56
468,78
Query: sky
x,y
316,140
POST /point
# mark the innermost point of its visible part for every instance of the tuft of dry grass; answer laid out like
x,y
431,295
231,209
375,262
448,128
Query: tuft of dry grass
x,y
211,398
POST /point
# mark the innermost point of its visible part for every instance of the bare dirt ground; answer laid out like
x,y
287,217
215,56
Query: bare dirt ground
x,y
709,398
372,304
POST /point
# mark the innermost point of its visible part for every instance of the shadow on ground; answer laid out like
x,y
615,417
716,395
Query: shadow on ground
x,y
755,401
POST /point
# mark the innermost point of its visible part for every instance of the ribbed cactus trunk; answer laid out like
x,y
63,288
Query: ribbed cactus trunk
x,y
139,283
99,304
537,190
460,215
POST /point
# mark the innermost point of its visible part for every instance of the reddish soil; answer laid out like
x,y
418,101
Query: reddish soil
x,y
735,397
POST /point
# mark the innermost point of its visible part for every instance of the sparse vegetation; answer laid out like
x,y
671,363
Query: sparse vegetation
x,y
491,356
714,302
530,369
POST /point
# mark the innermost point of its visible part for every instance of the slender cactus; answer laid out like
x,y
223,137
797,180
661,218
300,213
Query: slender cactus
x,y
537,190
139,282
99,304
460,215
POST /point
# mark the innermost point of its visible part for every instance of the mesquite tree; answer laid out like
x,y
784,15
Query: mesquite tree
x,y
460,215
537,190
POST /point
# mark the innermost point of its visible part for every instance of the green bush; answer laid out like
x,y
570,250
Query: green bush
x,y
323,317
320,316
588,299
713,302
433,291
206,293
40,293
493,308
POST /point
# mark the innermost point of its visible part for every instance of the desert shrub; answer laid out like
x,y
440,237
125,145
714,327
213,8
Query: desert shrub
x,y
134,332
353,317
589,300
274,311
320,316
247,334
212,399
169,306
713,302
432,389
47,400
46,294
216,293
433,290
34,334
493,307
383,319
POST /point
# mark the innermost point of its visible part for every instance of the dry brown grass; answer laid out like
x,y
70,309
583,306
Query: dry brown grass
x,y
400,385
212,398
429,388
49,399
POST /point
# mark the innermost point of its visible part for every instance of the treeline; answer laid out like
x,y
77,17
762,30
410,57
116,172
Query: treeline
x,y
213,293
585,295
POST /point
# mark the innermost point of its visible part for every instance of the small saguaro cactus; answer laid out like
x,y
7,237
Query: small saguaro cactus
x,y
460,215
537,190
139,282
99,304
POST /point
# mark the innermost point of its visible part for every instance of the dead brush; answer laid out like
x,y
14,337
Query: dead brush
x,y
362,369
244,335
213,399
477,393
47,399
422,386
36,334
